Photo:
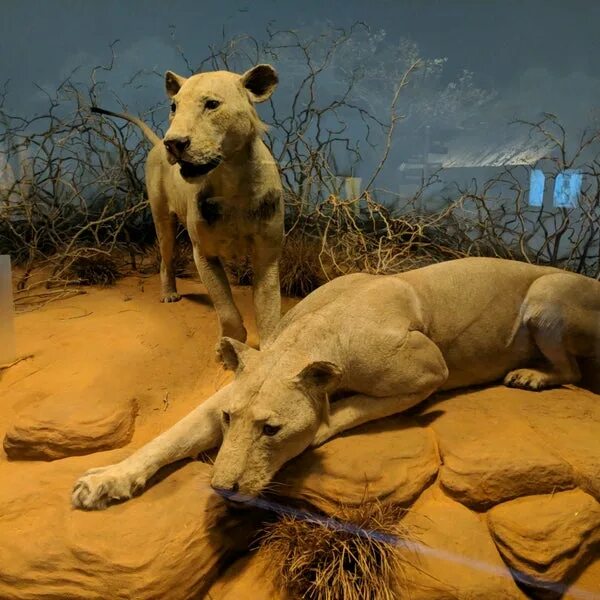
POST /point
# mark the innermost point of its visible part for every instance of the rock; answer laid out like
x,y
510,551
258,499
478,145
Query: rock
x,y
248,577
174,539
490,453
569,420
454,557
547,538
392,459
61,426
168,543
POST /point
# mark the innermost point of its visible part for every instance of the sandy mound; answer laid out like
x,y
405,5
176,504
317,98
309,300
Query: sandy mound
x,y
502,484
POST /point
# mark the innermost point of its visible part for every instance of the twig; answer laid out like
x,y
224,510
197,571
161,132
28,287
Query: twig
x,y
84,314
15,362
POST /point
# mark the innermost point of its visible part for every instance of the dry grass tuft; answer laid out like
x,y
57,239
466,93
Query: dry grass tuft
x,y
300,266
356,554
94,270
239,271
183,263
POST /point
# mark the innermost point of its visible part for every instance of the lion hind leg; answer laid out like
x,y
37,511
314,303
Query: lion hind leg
x,y
562,315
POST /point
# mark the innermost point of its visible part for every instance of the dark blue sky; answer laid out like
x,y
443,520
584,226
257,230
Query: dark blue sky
x,y
537,55
497,39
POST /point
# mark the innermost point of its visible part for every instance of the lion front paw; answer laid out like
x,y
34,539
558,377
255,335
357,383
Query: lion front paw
x,y
97,488
170,297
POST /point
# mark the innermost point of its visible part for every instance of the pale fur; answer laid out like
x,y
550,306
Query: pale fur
x,y
236,209
363,347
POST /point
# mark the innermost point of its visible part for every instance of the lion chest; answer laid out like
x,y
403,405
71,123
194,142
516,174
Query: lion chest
x,y
226,226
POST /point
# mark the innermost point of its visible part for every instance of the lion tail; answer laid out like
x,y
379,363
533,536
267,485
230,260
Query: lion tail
x,y
150,135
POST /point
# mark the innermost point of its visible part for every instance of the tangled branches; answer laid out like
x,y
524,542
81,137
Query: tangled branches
x,y
496,218
72,194
72,197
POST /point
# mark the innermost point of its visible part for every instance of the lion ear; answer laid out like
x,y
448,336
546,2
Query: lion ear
x,y
234,354
260,82
173,83
320,376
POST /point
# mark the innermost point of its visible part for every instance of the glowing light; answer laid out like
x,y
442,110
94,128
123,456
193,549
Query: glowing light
x,y
537,180
567,188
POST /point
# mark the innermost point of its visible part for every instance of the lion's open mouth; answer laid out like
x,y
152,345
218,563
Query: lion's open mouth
x,y
189,170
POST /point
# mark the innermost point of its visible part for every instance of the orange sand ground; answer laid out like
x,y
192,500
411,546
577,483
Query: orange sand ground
x,y
116,342
122,342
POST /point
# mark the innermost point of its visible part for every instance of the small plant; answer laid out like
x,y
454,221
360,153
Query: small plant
x,y
356,554
183,262
300,265
94,270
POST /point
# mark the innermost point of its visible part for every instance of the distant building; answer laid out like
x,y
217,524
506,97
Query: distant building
x,y
520,167
475,158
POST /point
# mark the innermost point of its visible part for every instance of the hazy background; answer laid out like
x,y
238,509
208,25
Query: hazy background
x,y
521,57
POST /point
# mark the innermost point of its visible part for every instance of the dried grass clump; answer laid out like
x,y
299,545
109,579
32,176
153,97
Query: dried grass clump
x,y
183,263
359,553
300,266
239,271
300,269
94,270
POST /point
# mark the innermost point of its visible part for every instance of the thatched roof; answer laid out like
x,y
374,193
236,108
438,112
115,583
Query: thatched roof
x,y
473,151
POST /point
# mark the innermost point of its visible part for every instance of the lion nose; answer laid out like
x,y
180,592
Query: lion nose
x,y
177,146
234,488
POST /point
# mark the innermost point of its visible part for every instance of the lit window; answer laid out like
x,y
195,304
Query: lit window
x,y
567,188
537,181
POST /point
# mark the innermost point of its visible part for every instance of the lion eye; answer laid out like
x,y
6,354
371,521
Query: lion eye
x,y
271,430
226,418
173,107
212,104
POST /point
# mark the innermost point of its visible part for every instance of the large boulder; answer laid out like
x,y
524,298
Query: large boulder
x,y
568,419
392,460
168,543
490,451
586,584
546,539
249,578
451,555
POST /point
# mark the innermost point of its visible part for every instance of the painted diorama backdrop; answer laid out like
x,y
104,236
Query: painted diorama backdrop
x,y
407,133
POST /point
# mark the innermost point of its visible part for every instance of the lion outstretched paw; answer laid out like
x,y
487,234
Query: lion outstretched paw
x,y
97,488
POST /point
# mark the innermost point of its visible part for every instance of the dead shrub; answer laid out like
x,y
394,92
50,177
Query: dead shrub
x,y
300,270
100,270
240,271
358,553
183,262
300,266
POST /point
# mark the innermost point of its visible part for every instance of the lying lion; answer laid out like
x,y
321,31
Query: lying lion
x,y
380,344
213,172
